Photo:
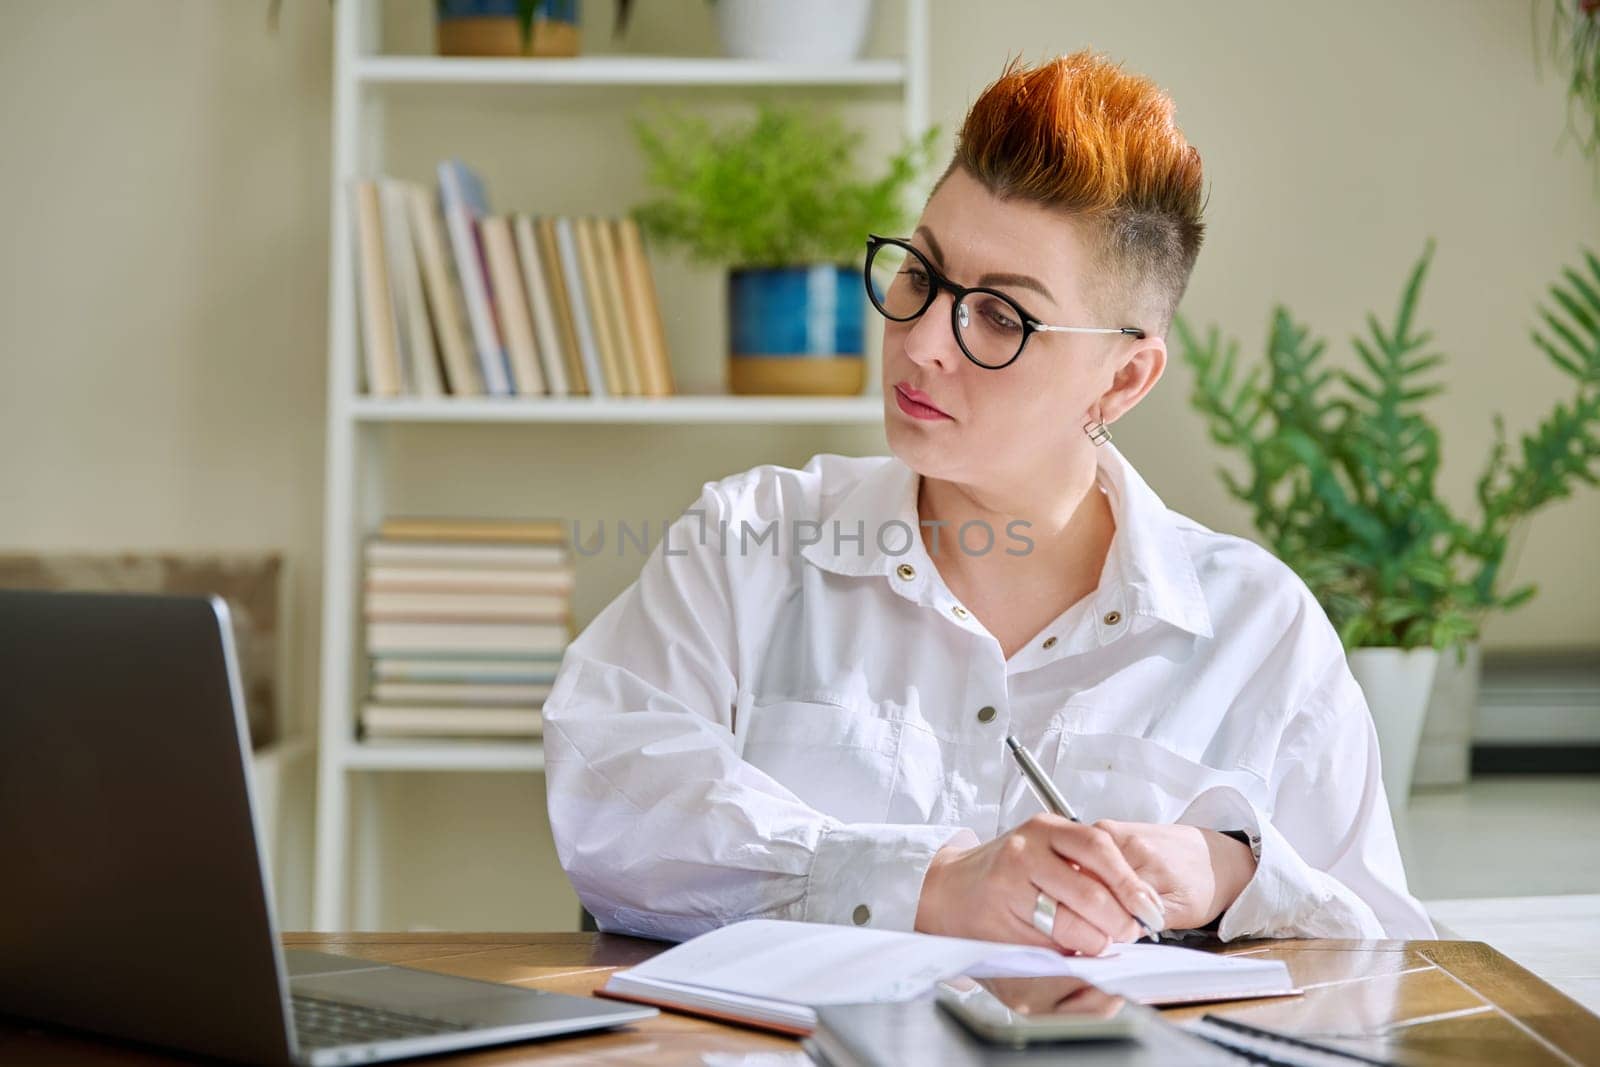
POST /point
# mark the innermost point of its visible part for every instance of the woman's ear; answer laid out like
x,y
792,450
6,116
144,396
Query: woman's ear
x,y
1138,374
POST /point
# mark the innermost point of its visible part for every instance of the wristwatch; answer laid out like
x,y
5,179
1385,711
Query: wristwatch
x,y
1246,837
1253,842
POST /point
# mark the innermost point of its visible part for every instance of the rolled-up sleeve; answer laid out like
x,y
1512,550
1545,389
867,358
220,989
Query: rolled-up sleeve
x,y
1330,865
662,828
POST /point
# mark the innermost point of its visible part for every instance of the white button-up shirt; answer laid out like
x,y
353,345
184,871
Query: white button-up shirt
x,y
789,713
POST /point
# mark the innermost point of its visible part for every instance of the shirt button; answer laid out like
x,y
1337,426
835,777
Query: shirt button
x,y
906,571
986,714
1049,642
862,915
959,612
1113,617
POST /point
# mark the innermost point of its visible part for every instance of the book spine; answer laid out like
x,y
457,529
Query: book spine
x,y
461,694
627,298
636,311
423,358
462,376
628,350
464,671
505,279
384,720
379,343
382,606
392,238
544,233
427,553
484,638
529,659
659,352
555,370
460,580
565,243
594,292
543,531
461,222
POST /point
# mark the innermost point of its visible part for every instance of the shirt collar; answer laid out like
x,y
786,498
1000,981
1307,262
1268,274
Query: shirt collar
x,y
1149,571
850,542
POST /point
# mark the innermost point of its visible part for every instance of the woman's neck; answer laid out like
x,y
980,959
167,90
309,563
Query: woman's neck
x,y
1069,522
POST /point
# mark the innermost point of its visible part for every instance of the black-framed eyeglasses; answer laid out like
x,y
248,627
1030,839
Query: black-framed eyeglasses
x,y
990,327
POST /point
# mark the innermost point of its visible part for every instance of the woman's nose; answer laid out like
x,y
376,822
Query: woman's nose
x,y
930,341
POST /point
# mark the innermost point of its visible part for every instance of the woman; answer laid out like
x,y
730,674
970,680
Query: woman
x,y
799,709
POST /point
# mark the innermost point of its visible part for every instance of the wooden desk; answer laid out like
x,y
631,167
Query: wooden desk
x,y
1417,1003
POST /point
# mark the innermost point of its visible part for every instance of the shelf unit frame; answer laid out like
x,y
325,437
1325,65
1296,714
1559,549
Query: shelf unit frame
x,y
349,771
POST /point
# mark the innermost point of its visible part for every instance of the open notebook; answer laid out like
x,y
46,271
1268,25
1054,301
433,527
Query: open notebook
x,y
770,973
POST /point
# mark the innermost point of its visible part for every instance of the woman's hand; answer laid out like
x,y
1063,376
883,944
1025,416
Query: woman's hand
x,y
1198,872
988,892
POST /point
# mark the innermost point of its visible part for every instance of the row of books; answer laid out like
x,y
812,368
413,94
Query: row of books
x,y
456,301
466,623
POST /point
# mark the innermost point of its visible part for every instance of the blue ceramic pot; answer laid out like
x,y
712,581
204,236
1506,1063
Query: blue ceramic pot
x,y
795,330
494,28
561,10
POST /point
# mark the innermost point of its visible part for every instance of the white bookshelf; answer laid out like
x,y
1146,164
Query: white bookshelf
x,y
698,410
357,425
375,71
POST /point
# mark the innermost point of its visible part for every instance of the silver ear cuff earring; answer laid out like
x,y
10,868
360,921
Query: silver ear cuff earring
x,y
1097,432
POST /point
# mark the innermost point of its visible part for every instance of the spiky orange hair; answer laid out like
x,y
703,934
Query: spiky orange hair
x,y
1078,134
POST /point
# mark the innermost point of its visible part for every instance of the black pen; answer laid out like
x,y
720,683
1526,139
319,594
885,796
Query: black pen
x,y
1044,789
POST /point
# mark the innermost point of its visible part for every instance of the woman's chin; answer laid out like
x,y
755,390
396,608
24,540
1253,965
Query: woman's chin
x,y
923,452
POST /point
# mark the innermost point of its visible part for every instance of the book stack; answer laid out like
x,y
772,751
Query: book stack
x,y
456,301
466,623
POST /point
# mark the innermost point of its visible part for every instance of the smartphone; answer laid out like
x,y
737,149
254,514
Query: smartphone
x,y
1022,1011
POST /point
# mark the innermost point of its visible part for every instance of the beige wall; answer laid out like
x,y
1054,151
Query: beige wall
x,y
163,296
163,286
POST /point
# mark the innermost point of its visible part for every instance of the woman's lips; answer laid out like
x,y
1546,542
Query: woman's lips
x,y
917,409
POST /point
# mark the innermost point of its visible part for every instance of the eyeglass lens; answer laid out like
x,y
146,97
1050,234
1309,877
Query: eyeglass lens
x,y
989,328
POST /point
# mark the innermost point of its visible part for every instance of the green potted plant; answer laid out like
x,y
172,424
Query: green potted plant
x,y
1341,484
780,200
1546,466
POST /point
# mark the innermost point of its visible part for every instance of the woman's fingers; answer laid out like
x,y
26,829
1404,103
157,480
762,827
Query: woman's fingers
x,y
1086,896
1097,854
1070,932
1018,928
1098,895
1076,934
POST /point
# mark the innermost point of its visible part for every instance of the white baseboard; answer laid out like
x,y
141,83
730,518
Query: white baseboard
x,y
1539,700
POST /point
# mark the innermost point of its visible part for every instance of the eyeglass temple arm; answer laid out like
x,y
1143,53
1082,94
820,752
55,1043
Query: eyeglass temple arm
x,y
1129,330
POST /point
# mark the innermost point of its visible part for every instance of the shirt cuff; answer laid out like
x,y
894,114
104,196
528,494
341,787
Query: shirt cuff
x,y
870,874
1286,897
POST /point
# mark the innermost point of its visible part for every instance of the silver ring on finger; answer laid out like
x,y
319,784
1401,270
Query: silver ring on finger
x,y
1044,914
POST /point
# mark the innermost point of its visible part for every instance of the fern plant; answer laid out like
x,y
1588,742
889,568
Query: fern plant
x,y
1575,44
1562,450
1342,465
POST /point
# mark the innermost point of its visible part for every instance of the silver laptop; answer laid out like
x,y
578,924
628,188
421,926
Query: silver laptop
x,y
135,901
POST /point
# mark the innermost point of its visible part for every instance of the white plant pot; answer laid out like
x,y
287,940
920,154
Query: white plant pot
x,y
1397,684
817,31
1445,759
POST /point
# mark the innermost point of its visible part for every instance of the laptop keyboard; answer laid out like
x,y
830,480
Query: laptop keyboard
x,y
328,1023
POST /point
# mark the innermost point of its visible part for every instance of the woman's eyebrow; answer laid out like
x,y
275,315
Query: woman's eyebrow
x,y
1022,280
